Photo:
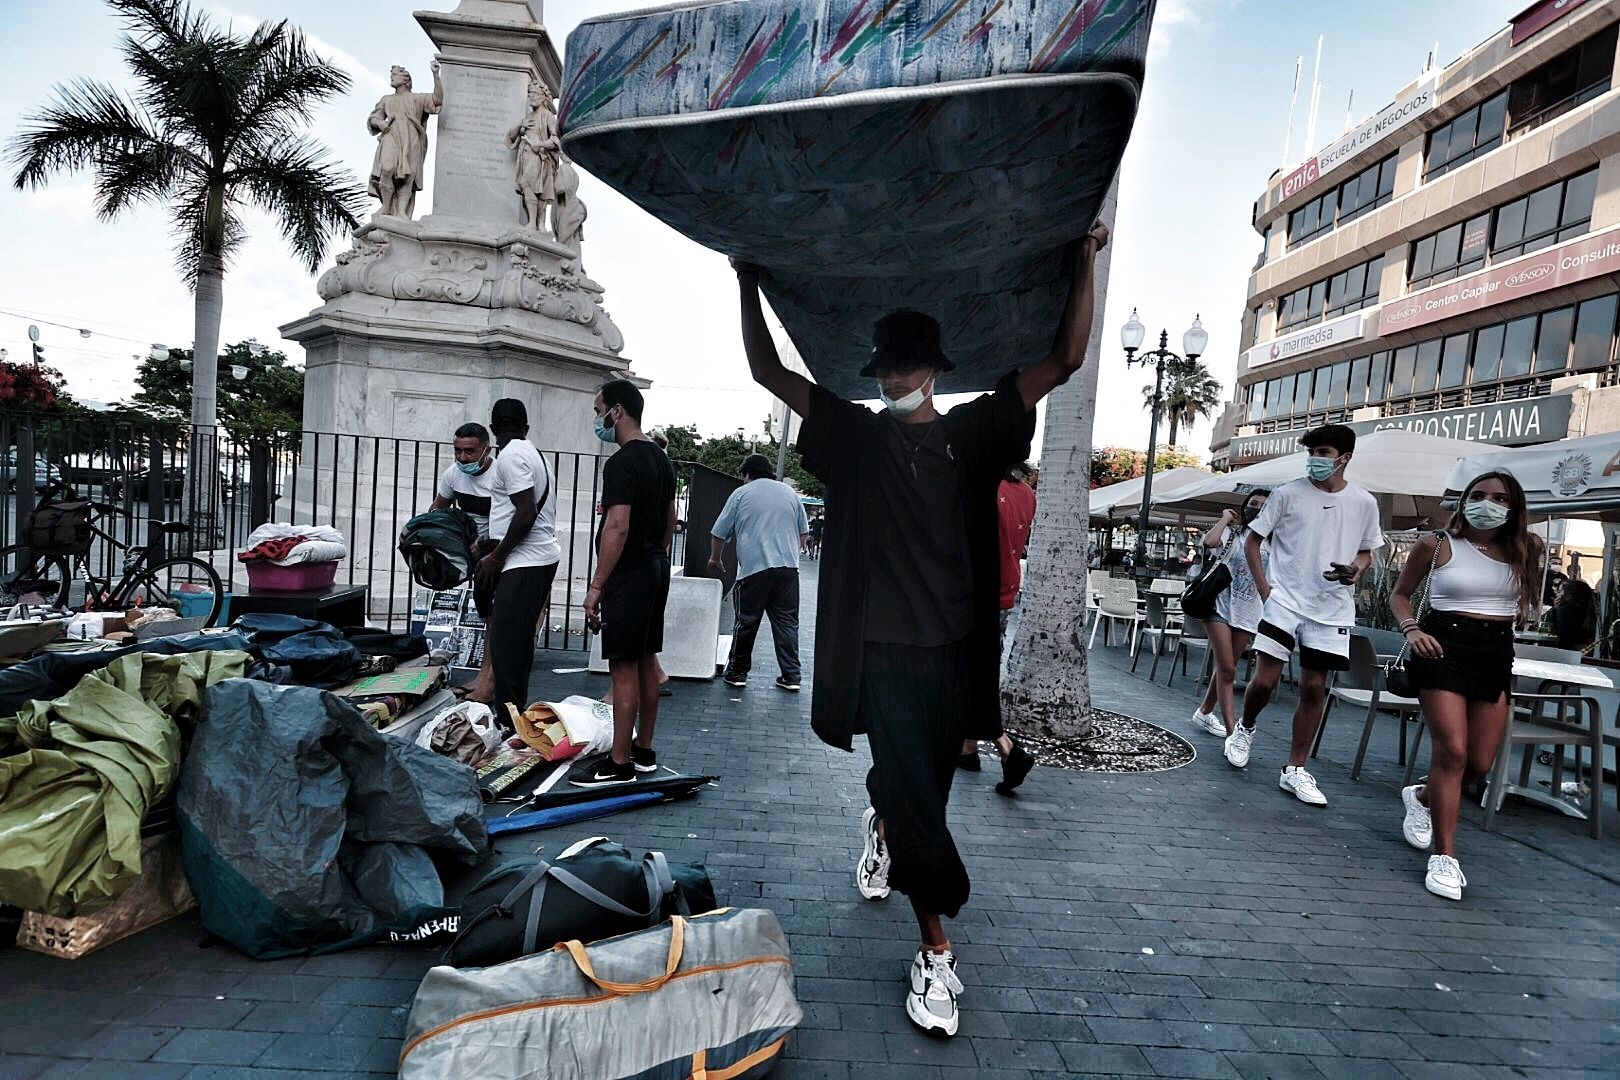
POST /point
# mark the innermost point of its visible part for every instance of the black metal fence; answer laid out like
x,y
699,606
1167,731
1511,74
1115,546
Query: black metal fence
x,y
365,486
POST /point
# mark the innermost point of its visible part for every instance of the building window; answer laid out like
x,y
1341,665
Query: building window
x,y
1366,191
1452,252
1357,391
1548,216
1562,83
1347,291
1594,334
1552,344
1473,134
1454,361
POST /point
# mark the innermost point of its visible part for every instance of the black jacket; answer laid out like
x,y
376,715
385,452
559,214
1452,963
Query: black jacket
x,y
987,436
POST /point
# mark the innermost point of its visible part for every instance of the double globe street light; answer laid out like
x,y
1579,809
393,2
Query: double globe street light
x,y
1193,343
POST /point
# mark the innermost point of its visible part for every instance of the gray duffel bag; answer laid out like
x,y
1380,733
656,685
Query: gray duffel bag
x,y
710,995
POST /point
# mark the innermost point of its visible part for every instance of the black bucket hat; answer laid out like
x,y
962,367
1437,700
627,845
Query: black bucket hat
x,y
905,341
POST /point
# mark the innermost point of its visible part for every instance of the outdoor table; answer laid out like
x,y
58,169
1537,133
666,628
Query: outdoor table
x,y
339,605
1532,637
1545,673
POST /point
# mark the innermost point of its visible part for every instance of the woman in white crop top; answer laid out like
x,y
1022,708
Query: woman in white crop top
x,y
1486,570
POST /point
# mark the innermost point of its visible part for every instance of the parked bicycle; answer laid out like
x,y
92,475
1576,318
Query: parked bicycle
x,y
56,553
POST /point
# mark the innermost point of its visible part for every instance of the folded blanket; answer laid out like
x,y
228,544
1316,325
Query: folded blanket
x,y
933,154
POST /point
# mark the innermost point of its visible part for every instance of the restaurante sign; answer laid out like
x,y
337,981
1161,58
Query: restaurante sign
x,y
1515,423
1589,257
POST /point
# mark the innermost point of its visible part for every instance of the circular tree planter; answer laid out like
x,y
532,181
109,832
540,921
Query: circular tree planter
x,y
1118,744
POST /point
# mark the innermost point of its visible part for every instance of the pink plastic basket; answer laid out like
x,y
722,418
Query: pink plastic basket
x,y
300,578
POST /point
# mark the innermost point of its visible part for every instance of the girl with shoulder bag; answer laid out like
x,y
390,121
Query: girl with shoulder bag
x,y
1237,614
1481,574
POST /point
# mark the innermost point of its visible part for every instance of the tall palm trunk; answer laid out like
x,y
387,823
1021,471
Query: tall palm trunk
x,y
1175,423
1046,687
202,484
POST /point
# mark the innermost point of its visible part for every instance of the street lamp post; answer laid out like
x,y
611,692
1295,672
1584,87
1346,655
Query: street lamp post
x,y
1193,343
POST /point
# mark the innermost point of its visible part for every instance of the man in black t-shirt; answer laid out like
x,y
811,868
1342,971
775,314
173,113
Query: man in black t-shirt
x,y
907,611
631,584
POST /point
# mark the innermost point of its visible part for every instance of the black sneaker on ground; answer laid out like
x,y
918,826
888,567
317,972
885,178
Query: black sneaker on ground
x,y
735,680
645,759
1014,768
785,683
968,762
606,773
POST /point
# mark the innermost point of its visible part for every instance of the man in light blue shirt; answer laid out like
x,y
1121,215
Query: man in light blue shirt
x,y
767,520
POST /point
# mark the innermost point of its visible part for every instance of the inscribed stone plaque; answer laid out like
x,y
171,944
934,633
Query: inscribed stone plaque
x,y
473,169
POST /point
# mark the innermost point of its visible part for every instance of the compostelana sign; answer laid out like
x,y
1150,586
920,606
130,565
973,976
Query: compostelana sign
x,y
1589,257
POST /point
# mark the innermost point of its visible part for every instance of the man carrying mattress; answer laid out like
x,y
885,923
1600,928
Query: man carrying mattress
x,y
907,613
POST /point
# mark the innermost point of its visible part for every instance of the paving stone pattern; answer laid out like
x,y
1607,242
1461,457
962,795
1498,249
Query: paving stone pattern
x,y
1194,923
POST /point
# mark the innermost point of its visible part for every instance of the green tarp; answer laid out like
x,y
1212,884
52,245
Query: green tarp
x,y
78,774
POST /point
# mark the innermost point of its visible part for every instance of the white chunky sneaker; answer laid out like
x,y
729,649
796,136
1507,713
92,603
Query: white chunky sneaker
x,y
1301,785
872,872
931,1002
1445,877
1215,725
1237,746
1418,827
1200,719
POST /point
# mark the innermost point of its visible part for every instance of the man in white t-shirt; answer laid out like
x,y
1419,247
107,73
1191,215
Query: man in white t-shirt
x,y
466,484
1323,531
523,524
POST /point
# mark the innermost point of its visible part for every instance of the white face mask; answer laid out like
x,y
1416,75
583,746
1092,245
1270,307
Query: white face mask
x,y
910,403
1485,515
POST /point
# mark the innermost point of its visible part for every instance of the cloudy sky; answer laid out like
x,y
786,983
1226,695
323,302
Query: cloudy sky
x,y
1209,133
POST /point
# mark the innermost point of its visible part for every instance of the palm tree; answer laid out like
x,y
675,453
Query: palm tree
x,y
218,125
1190,392
1046,687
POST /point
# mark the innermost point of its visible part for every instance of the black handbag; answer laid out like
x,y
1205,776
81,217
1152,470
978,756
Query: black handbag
x,y
593,893
1198,599
1397,676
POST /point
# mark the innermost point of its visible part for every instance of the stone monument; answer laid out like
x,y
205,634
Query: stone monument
x,y
426,323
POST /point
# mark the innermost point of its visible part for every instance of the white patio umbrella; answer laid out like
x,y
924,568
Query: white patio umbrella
x,y
1568,478
1122,501
1409,467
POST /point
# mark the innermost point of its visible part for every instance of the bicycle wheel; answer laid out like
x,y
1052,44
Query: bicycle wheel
x,y
29,578
169,582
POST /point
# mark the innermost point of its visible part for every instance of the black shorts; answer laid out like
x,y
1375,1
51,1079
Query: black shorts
x,y
1478,660
484,599
633,600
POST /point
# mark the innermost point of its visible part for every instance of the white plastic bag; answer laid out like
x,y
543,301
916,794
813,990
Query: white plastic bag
x,y
477,737
588,724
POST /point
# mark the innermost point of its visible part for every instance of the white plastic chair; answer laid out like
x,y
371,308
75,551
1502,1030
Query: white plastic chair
x,y
1115,606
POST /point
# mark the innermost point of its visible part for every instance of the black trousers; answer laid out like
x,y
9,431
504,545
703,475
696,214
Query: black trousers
x,y
913,709
773,592
519,598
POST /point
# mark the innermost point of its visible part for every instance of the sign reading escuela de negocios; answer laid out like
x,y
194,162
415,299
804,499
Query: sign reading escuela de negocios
x,y
1513,423
1409,106
1589,257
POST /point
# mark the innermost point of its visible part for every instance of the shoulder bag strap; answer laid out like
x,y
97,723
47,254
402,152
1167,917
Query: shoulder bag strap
x,y
1422,606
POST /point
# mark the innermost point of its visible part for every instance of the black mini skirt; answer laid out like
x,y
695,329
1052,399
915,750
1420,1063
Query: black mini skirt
x,y
1478,660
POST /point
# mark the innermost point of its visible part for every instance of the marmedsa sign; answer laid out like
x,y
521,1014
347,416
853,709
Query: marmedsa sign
x,y
1589,257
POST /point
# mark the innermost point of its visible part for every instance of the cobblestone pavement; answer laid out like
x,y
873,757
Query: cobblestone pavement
x,y
1197,923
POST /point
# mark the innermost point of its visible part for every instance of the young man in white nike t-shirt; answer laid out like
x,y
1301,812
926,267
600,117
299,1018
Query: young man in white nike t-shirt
x,y
1323,531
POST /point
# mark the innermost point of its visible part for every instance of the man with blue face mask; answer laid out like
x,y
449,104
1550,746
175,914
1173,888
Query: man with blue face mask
x,y
467,483
1323,531
908,604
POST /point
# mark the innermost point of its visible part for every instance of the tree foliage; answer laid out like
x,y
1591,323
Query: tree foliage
x,y
1190,392
726,453
1115,464
30,387
265,408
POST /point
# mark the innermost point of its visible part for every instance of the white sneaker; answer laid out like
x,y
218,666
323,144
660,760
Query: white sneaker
x,y
1301,785
1215,725
872,872
931,1003
1237,746
1445,877
1201,719
1418,827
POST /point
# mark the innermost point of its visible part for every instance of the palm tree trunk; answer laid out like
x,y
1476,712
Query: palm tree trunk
x,y
1175,418
202,487
1046,687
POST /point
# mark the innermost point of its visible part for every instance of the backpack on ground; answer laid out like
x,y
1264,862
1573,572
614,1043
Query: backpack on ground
x,y
595,889
707,996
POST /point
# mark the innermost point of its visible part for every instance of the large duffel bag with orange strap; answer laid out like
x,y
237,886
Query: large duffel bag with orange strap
x,y
707,996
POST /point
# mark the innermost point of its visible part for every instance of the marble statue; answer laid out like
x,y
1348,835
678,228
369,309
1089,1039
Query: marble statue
x,y
400,123
568,214
539,156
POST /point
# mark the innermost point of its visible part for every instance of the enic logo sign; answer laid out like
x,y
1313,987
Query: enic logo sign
x,y
1530,275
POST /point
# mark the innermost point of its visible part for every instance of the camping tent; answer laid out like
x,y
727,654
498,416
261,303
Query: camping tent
x,y
1571,477
1409,467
